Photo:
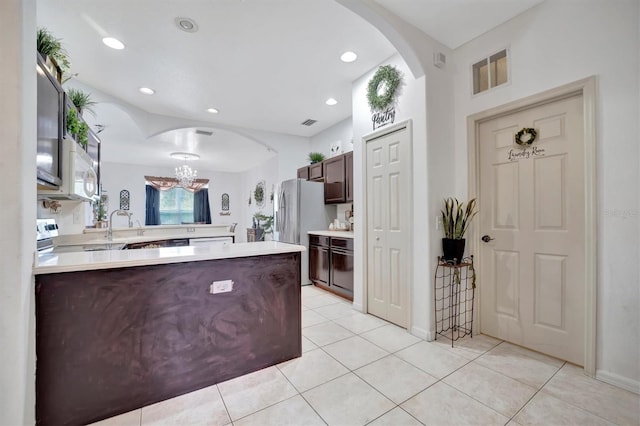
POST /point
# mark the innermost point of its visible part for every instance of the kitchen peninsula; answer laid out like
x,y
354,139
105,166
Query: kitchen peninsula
x,y
120,329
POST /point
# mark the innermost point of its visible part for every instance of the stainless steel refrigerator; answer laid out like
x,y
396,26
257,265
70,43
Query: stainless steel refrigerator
x,y
297,209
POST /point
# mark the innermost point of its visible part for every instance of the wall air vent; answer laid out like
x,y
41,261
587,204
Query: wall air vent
x,y
204,132
309,122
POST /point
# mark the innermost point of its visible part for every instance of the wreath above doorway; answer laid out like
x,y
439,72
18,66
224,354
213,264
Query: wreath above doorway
x,y
381,90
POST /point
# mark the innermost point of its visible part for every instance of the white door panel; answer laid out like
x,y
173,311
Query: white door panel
x,y
532,204
388,212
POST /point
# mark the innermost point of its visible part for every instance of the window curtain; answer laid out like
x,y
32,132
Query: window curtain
x,y
152,211
201,210
166,183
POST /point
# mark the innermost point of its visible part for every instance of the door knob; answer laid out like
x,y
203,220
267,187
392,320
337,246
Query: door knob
x,y
487,238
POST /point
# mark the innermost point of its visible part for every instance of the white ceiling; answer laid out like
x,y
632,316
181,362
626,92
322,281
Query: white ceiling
x,y
265,64
455,22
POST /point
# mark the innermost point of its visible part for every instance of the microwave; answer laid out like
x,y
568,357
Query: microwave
x,y
79,179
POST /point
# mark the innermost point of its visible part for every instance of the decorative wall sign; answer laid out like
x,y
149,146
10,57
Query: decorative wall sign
x,y
381,95
336,148
124,199
526,136
380,119
525,154
258,193
225,202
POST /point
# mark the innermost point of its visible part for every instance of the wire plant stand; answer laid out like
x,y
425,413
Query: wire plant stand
x,y
454,290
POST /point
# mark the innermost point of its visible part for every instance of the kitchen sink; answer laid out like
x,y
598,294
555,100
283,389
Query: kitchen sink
x,y
89,247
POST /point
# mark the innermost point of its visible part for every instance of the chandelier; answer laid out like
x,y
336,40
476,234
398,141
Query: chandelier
x,y
185,174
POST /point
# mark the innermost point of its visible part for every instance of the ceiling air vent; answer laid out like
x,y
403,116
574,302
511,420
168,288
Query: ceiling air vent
x,y
204,132
309,122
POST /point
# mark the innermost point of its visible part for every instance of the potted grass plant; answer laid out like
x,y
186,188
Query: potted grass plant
x,y
315,157
81,100
456,218
52,52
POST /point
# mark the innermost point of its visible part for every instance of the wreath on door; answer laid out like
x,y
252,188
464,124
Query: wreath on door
x,y
526,136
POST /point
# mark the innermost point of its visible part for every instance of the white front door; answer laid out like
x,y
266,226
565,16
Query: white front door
x,y
532,274
388,171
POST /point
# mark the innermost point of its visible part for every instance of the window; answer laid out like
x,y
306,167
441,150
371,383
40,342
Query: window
x,y
490,72
176,206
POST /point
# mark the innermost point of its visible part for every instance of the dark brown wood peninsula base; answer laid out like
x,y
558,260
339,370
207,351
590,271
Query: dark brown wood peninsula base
x,y
113,340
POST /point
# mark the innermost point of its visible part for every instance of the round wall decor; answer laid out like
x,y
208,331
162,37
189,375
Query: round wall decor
x,y
526,136
381,90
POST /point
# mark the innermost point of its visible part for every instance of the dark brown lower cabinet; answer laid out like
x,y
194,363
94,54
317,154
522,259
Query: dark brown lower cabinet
x,y
319,264
114,340
342,270
331,264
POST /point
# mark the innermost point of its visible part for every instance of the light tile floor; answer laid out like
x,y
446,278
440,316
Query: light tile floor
x,y
357,369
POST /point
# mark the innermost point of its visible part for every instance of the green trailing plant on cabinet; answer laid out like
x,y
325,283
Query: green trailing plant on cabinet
x,y
48,45
77,127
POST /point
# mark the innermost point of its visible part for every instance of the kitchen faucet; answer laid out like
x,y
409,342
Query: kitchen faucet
x,y
120,213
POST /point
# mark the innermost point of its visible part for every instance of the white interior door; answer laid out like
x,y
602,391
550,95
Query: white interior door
x,y
532,274
388,171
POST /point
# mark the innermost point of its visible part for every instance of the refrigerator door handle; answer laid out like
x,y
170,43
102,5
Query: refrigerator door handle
x,y
280,220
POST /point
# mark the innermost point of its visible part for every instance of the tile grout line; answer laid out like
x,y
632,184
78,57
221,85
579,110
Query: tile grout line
x,y
224,403
537,391
570,403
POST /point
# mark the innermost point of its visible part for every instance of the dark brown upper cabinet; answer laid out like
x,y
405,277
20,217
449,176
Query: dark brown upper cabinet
x,y
334,180
316,171
348,163
303,173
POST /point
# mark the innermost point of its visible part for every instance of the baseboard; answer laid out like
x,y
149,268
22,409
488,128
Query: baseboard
x,y
357,307
619,381
420,332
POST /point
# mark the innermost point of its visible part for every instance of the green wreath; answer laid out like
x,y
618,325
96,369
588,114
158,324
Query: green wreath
x,y
389,75
258,194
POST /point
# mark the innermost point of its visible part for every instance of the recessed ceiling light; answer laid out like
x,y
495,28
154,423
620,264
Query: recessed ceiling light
x,y
348,57
186,24
331,102
113,43
147,90
213,110
184,155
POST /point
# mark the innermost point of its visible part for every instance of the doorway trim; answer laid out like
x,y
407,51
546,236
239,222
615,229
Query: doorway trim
x,y
587,89
406,124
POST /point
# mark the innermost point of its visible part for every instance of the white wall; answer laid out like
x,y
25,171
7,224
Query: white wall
x,y
117,176
553,44
341,133
71,217
267,171
17,239
411,105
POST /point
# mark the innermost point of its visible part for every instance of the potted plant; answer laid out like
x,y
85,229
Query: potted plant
x,y
53,53
455,222
77,128
315,157
81,100
100,213
266,227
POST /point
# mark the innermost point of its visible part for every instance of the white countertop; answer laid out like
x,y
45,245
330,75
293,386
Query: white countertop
x,y
84,261
339,234
137,239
